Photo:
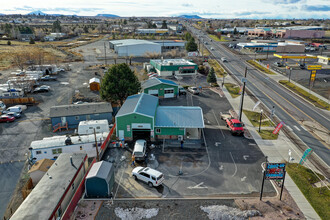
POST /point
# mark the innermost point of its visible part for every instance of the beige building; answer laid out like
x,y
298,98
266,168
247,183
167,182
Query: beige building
x,y
323,59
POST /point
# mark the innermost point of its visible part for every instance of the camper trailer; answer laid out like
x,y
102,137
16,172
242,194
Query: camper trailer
x,y
87,127
52,147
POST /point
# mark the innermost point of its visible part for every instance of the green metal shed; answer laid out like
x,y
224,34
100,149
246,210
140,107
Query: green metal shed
x,y
162,88
100,180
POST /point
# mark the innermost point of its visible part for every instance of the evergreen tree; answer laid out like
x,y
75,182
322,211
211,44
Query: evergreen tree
x,y
32,41
118,83
211,78
191,45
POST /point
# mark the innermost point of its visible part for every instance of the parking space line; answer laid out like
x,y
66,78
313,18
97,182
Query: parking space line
x,y
119,181
234,163
218,124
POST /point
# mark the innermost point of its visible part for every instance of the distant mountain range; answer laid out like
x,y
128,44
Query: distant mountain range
x,y
37,13
107,15
190,16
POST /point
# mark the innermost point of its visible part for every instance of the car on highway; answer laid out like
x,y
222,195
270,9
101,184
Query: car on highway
x,y
193,90
212,48
6,118
224,59
48,78
148,175
14,114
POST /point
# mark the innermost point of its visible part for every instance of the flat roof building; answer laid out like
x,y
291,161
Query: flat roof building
x,y
134,47
51,196
174,67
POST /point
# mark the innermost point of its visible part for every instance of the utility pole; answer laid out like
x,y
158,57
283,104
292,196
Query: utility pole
x,y
97,149
261,111
290,74
242,96
105,54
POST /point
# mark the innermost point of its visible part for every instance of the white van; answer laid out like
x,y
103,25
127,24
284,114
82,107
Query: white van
x,y
139,151
14,109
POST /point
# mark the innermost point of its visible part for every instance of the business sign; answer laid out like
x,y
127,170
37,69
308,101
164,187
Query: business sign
x,y
240,90
274,171
193,54
278,127
313,75
267,66
305,155
187,67
314,67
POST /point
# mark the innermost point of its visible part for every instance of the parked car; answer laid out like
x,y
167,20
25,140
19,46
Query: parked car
x,y
236,126
14,114
41,89
224,59
140,149
278,64
302,66
13,109
6,118
193,90
182,91
48,78
148,175
212,48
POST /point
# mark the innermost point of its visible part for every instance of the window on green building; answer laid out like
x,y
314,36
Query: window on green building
x,y
158,130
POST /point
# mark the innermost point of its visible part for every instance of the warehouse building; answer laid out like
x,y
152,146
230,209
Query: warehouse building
x,y
174,67
162,88
168,45
140,117
133,47
281,47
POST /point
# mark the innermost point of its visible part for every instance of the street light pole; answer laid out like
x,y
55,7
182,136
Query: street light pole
x,y
105,54
261,111
242,96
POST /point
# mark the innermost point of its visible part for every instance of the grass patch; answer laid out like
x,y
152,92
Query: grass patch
x,y
268,135
206,52
232,89
215,38
254,118
260,67
219,70
313,99
318,197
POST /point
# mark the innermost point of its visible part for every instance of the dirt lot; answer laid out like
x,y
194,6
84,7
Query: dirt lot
x,y
252,208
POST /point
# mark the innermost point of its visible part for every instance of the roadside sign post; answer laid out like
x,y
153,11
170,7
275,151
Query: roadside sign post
x,y
290,74
274,171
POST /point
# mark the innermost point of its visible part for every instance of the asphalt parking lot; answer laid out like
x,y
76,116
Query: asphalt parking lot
x,y
227,165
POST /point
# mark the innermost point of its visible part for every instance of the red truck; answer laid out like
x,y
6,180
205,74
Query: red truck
x,y
235,125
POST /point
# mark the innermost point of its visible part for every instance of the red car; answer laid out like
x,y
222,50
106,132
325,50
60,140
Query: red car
x,y
6,118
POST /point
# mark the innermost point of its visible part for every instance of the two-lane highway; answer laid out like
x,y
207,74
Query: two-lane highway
x,y
289,107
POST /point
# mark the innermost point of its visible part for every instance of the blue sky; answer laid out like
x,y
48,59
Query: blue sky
x,y
206,8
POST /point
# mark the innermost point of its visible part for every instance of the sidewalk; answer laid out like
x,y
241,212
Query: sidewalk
x,y
276,150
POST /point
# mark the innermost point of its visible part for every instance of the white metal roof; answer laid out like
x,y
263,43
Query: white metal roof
x,y
101,170
60,140
179,117
94,80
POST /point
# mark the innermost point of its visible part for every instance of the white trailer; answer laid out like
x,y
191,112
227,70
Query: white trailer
x,y
52,147
87,127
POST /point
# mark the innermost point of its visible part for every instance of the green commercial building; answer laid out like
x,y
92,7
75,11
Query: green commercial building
x,y
162,88
174,67
141,117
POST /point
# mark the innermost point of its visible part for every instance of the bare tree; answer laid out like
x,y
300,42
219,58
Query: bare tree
x,y
19,59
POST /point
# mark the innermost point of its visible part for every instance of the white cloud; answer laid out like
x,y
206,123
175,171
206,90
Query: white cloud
x,y
205,8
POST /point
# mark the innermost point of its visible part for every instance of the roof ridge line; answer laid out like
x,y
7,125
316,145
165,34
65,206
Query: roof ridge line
x,y
138,103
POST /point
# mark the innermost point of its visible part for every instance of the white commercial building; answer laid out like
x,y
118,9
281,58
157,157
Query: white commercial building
x,y
132,47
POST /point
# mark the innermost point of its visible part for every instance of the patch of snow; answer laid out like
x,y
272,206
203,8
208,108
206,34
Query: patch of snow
x,y
135,213
223,212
